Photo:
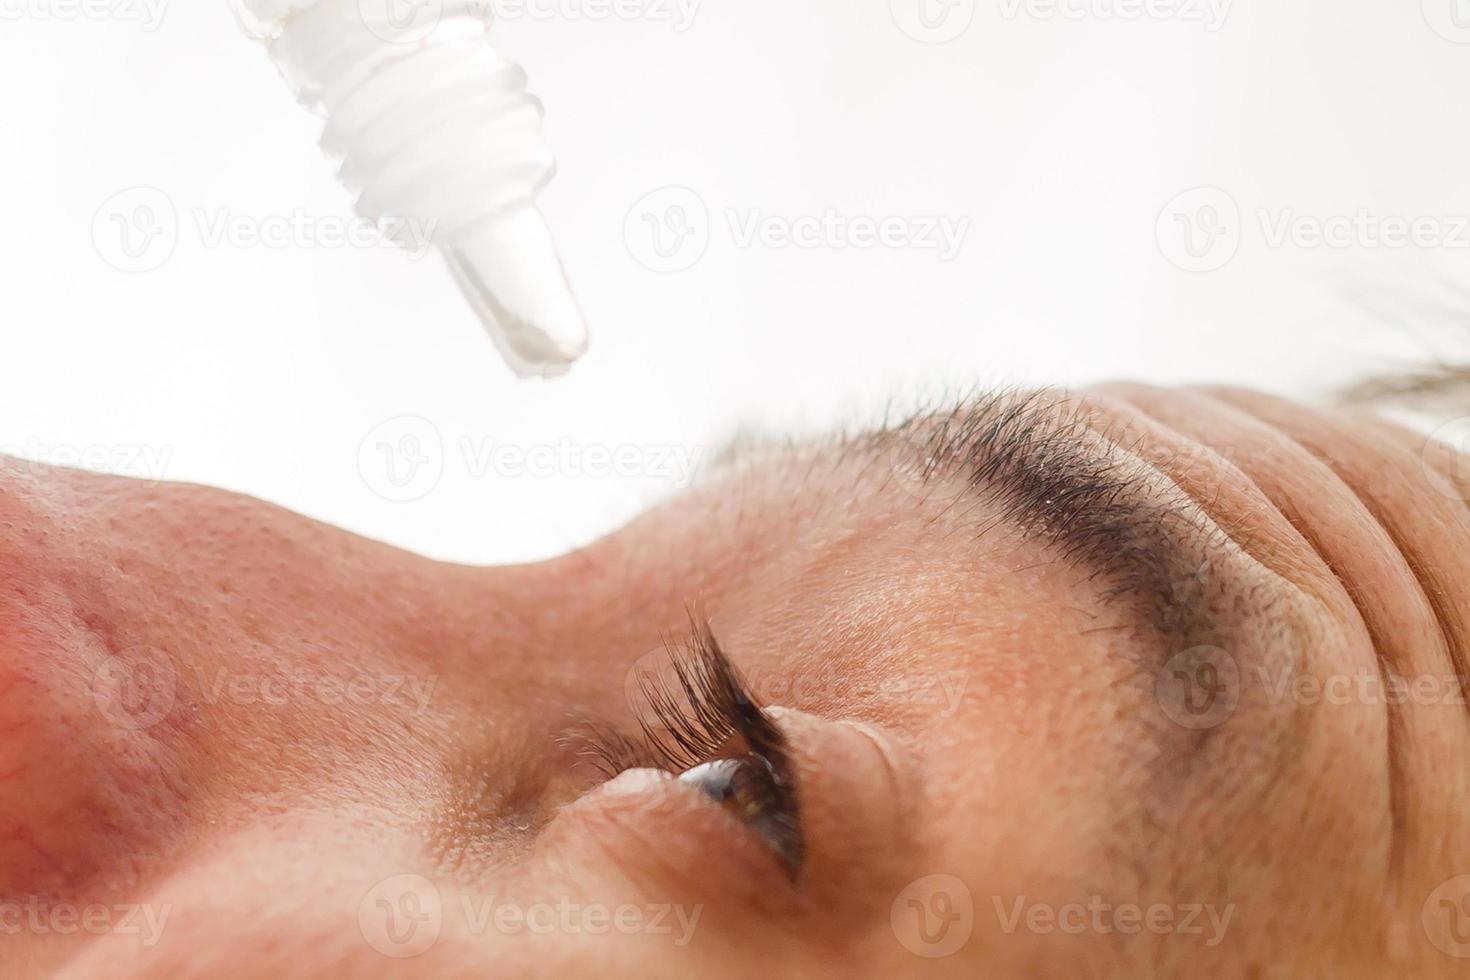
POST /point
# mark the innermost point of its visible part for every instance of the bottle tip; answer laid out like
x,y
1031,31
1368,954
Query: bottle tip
x,y
545,348
509,270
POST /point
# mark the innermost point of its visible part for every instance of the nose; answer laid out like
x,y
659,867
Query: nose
x,y
172,657
89,771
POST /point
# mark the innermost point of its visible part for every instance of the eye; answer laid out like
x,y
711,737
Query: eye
x,y
748,788
706,728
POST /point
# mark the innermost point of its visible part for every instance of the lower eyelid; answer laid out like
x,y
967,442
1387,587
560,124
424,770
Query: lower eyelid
x,y
645,826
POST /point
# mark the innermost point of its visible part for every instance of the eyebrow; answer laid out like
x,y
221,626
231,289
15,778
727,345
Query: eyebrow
x,y
1058,469
1047,459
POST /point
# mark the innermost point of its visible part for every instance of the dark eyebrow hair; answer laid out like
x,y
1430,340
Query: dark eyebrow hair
x,y
1059,471
1048,459
1063,473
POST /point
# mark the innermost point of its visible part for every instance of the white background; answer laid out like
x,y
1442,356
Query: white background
x,y
1060,134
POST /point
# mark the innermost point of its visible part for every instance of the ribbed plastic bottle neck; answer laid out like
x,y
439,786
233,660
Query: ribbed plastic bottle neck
x,y
436,135
406,104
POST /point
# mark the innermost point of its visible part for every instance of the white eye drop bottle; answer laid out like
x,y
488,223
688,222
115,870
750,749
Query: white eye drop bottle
x,y
436,131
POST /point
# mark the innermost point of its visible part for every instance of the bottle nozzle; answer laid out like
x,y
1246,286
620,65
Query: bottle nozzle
x,y
509,270
431,124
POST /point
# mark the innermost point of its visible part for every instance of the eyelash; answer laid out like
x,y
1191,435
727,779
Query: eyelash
x,y
704,713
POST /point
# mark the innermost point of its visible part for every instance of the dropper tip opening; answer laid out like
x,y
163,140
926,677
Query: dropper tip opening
x,y
532,352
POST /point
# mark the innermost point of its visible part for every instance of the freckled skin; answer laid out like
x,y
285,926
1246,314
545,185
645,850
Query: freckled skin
x,y
255,726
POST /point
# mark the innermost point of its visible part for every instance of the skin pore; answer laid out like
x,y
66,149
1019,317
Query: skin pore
x,y
1093,685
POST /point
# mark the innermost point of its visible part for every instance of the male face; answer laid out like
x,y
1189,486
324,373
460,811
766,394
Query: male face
x,y
1138,682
